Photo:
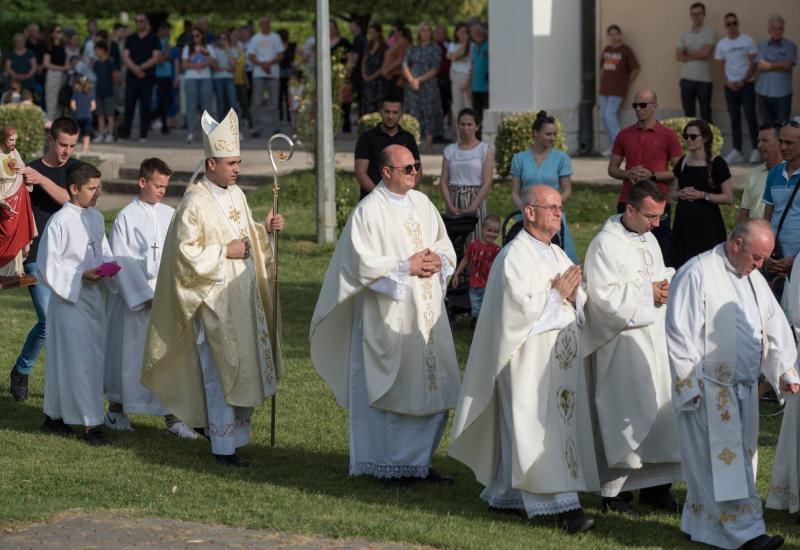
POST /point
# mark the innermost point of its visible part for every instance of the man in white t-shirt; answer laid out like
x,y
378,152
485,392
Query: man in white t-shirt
x,y
694,49
736,56
265,52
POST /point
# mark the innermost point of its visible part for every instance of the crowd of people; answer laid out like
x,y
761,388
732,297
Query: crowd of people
x,y
106,75
634,371
757,77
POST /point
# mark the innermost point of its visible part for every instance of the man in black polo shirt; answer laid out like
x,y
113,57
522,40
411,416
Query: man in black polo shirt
x,y
373,141
48,176
141,54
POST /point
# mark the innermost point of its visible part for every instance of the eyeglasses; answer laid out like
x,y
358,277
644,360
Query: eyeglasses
x,y
551,207
793,123
731,23
642,105
652,217
408,169
690,137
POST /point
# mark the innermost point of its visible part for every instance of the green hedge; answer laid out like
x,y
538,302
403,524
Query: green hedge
x,y
408,122
677,125
29,122
515,134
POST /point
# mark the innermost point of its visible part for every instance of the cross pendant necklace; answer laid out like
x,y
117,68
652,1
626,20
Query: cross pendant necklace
x,y
155,251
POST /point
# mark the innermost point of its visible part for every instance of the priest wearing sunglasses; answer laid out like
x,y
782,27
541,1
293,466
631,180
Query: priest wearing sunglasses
x,y
379,335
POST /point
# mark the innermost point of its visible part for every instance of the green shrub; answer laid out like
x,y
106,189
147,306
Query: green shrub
x,y
29,122
677,125
408,122
515,134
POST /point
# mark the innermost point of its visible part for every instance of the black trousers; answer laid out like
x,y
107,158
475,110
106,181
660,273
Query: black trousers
x,y
693,92
662,233
137,90
164,88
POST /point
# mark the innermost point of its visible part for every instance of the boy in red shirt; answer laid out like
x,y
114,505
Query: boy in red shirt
x,y
479,256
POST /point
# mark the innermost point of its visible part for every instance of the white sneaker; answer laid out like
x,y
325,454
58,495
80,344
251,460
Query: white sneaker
x,y
734,157
109,138
755,156
182,431
118,421
190,138
606,153
98,139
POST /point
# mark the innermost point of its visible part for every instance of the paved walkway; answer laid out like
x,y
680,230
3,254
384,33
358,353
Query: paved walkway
x,y
74,530
183,157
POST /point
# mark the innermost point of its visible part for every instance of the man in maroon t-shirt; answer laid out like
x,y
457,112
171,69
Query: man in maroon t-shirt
x,y
648,148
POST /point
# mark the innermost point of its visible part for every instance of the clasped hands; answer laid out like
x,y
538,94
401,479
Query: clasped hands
x,y
425,263
660,292
568,283
639,173
690,194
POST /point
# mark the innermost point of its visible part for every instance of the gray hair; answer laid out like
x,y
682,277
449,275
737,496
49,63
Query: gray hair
x,y
745,230
777,18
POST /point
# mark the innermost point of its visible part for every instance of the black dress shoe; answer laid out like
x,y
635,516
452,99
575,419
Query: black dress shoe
x,y
96,438
231,460
19,385
663,502
764,542
57,427
508,511
618,505
575,521
436,477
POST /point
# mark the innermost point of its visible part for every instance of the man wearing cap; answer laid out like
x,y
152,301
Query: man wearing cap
x,y
212,353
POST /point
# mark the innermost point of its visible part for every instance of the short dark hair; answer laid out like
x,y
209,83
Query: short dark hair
x,y
391,98
101,45
64,125
730,14
164,25
698,5
613,27
80,173
772,125
643,189
149,167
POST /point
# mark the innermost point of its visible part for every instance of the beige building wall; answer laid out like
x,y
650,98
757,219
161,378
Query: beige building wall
x,y
652,28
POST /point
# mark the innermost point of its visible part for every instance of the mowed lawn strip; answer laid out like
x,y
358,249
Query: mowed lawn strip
x,y
302,484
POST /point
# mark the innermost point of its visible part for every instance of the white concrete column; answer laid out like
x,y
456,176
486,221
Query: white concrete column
x,y
534,62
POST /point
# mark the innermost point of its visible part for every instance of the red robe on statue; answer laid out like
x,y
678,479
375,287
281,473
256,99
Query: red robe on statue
x,y
17,225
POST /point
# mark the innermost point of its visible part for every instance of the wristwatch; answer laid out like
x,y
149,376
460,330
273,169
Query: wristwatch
x,y
705,197
653,178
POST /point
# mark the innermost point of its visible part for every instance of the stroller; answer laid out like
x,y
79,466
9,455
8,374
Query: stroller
x,y
458,228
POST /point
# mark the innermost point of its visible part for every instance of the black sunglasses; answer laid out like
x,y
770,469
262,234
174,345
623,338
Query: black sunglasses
x,y
690,137
793,123
408,169
642,105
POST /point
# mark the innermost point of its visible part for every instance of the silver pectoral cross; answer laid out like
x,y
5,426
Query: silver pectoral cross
x,y
91,243
155,251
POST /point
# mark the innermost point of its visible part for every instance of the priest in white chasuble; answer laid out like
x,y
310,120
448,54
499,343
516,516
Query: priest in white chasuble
x,y
211,352
724,328
72,250
523,423
380,336
627,286
137,240
784,488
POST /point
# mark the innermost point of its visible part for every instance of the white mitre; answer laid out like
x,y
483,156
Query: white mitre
x,y
220,139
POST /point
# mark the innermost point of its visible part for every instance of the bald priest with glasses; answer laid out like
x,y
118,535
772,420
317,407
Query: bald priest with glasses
x,y
624,336
380,336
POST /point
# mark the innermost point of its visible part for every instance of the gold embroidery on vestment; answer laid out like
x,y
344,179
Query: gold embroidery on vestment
x,y
726,456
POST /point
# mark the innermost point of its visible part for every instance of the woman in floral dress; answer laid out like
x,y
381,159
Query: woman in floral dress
x,y
421,98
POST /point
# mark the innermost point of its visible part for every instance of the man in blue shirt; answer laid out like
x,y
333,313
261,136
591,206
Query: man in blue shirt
x,y
781,181
776,58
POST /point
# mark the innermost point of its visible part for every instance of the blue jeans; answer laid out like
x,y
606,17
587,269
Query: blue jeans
x,y
609,116
198,94
225,91
475,300
742,100
34,343
775,109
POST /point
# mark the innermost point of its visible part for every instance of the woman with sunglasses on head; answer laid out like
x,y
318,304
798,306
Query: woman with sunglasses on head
x,y
467,169
542,164
702,183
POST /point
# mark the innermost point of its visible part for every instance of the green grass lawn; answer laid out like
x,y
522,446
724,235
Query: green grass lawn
x,y
302,485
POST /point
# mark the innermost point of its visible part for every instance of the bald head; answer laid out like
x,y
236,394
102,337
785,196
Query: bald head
x,y
750,243
645,94
542,212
